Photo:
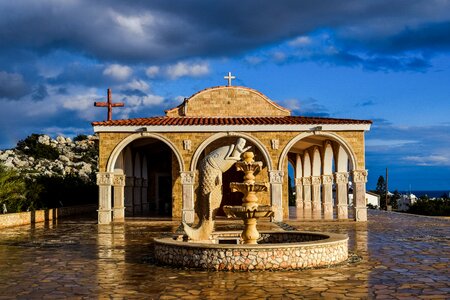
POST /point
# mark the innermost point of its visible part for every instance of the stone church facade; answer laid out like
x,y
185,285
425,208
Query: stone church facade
x,y
149,166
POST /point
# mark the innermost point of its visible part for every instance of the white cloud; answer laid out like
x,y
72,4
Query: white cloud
x,y
152,71
133,24
182,69
152,100
136,84
388,143
118,72
301,41
430,160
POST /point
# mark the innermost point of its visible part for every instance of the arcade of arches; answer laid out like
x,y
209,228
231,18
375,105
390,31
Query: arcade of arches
x,y
149,166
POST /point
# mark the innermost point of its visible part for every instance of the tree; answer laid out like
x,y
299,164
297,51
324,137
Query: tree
x,y
12,190
31,147
381,190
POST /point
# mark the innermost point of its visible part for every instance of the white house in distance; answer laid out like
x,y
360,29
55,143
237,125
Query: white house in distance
x,y
405,201
371,198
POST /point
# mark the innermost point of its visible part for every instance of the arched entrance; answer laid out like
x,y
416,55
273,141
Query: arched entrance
x,y
219,140
324,166
147,165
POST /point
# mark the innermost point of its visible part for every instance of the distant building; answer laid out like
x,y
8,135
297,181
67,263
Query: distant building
x,y
371,198
405,201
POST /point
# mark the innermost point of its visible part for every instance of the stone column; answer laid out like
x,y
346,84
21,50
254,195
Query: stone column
x,y
341,179
187,182
104,182
327,196
315,197
137,203
129,188
119,197
299,194
276,193
307,208
359,194
144,196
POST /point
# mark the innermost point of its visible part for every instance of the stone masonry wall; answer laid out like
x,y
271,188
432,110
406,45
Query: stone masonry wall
x,y
228,101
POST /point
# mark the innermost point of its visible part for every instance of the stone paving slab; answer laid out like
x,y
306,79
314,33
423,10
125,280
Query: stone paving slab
x,y
401,257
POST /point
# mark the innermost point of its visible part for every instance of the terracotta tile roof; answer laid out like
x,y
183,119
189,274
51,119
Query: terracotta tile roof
x,y
185,121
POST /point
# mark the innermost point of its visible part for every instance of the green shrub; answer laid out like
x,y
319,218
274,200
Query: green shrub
x,y
12,190
31,147
436,207
80,137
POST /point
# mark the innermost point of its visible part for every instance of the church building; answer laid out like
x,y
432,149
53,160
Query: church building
x,y
149,166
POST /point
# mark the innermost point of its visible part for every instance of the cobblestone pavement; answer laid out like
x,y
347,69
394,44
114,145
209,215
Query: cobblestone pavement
x,y
399,257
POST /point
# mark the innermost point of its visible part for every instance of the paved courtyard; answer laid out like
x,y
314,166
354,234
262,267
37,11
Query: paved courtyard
x,y
395,256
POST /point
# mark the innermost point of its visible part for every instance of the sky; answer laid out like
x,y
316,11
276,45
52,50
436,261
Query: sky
x,y
385,61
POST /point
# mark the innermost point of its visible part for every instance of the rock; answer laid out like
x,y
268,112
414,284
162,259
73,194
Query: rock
x,y
44,139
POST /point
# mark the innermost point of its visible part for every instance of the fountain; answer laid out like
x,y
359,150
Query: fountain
x,y
204,248
250,210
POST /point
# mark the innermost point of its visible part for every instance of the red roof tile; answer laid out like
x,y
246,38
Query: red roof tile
x,y
185,121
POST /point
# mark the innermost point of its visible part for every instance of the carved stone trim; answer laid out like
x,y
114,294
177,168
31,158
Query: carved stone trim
x,y
275,144
104,178
187,144
144,182
359,176
306,180
327,179
316,180
341,177
187,177
119,180
276,176
298,181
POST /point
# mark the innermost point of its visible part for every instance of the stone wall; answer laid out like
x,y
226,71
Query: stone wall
x,y
228,101
30,217
291,254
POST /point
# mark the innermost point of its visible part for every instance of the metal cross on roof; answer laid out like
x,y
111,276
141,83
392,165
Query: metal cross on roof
x,y
229,77
109,104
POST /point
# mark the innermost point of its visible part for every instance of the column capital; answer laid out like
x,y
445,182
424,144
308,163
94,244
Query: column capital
x,y
359,175
119,180
327,179
298,181
316,180
187,177
306,180
104,178
341,177
276,176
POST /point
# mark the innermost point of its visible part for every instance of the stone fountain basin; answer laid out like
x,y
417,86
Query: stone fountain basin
x,y
276,250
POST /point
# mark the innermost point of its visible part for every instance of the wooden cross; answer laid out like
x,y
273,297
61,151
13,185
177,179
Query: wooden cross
x,y
109,104
229,77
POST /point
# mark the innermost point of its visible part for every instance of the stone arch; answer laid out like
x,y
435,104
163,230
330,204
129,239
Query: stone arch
x,y
217,136
126,141
316,162
332,136
327,160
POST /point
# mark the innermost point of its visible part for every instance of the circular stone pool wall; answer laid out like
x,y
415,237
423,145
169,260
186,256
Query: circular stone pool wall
x,y
274,251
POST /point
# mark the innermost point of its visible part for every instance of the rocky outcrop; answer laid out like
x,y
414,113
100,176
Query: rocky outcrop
x,y
77,158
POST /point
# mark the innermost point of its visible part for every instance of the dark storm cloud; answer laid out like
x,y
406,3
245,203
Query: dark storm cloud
x,y
155,31
12,86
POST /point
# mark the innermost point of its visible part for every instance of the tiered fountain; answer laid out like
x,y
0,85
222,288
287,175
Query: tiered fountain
x,y
250,210
249,249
